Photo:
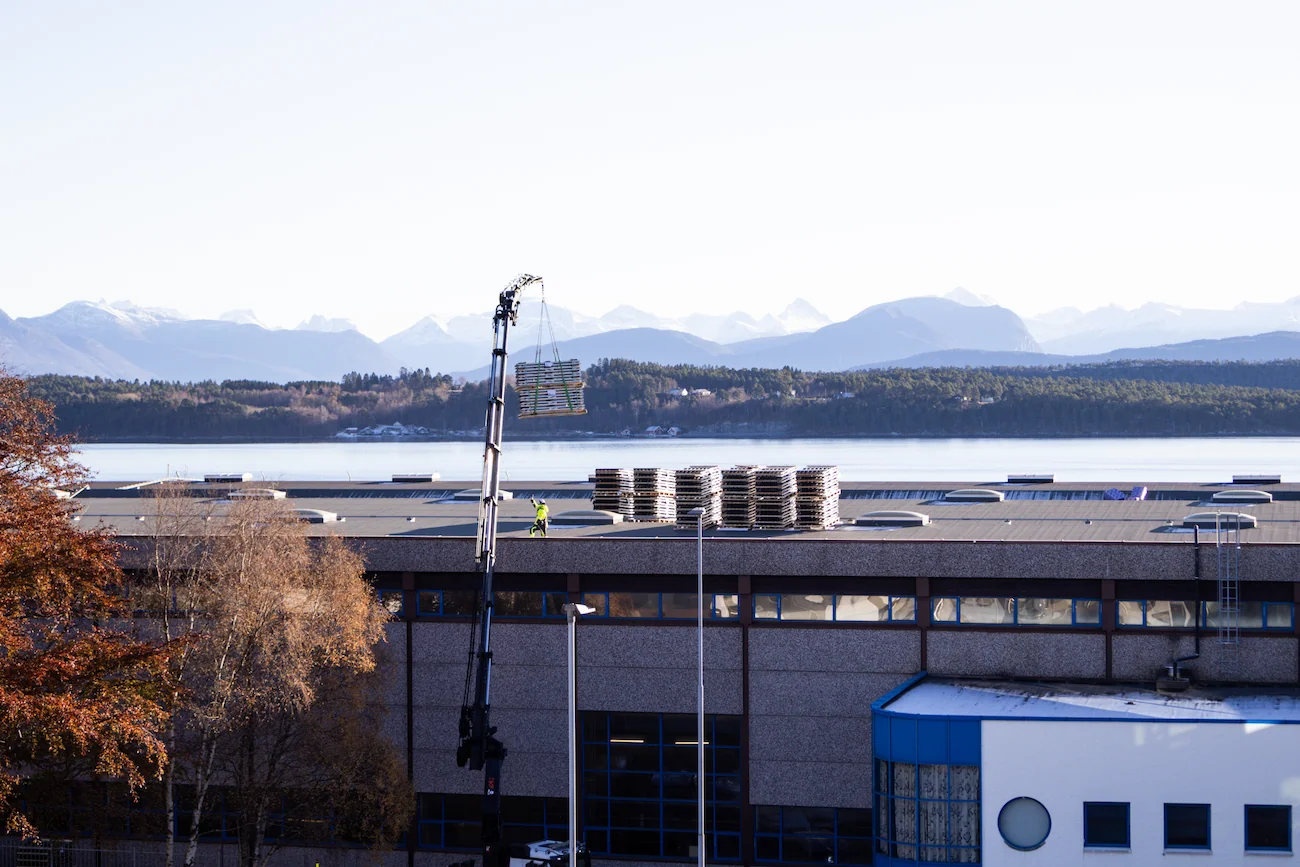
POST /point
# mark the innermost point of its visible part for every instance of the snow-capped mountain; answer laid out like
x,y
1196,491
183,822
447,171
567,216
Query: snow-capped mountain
x,y
331,326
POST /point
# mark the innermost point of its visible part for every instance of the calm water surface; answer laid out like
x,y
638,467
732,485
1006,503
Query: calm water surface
x,y
1117,460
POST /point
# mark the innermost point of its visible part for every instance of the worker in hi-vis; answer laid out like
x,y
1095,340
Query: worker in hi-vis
x,y
543,517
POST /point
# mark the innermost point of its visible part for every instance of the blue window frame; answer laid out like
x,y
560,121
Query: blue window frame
x,y
928,812
1106,825
1187,826
506,603
1015,611
626,605
446,603
527,820
450,821
1268,828
842,608
812,835
1184,614
391,599
639,785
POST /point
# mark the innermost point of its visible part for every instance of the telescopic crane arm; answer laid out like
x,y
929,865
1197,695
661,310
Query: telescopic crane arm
x,y
479,748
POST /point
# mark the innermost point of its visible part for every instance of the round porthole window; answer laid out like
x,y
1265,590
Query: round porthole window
x,y
1024,823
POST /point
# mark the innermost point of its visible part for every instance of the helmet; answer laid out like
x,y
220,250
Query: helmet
x,y
543,502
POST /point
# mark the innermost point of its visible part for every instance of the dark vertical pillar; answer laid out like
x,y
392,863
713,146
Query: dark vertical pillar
x,y
1108,621
923,617
745,601
409,603
1295,622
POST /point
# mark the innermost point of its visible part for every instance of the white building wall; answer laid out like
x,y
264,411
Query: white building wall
x,y
1064,764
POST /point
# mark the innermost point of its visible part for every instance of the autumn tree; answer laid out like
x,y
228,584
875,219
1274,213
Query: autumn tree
x,y
279,633
78,685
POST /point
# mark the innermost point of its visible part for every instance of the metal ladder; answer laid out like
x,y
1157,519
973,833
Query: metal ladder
x,y
1227,545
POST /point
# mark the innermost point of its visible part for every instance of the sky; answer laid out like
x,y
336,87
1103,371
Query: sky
x,y
387,160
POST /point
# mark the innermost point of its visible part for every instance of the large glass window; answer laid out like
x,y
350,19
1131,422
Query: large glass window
x,y
449,603
1017,611
391,600
1105,825
845,608
455,821
1268,828
667,606
812,835
927,812
640,785
1179,614
1187,826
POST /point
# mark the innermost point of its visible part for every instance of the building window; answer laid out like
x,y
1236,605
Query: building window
x,y
1268,828
528,603
450,821
927,812
1017,611
812,835
1187,826
1105,825
392,601
528,820
639,784
1175,614
661,606
446,603
844,608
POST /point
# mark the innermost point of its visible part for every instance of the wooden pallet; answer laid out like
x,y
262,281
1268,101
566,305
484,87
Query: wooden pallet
x,y
548,374
534,402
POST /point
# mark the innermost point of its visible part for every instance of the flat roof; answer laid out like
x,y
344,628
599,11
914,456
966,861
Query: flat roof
x,y
1006,700
1058,512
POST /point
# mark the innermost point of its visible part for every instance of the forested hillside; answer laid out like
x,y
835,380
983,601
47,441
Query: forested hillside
x,y
1139,399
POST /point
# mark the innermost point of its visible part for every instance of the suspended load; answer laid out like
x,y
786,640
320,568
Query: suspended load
x,y
549,388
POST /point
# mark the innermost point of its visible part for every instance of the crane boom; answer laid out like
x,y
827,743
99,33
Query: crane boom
x,y
479,748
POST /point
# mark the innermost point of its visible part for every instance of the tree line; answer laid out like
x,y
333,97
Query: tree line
x,y
1115,398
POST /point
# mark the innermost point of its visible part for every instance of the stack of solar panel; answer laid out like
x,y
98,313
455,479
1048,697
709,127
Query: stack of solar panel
x,y
613,492
738,496
775,489
550,388
654,495
817,502
699,487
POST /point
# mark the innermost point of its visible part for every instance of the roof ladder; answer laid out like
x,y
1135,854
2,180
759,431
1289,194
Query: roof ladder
x,y
1227,545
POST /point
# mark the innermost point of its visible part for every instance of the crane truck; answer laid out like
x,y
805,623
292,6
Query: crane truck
x,y
480,749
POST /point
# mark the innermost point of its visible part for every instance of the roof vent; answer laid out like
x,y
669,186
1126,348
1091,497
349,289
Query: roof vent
x,y
1225,520
892,519
257,494
1258,479
1242,497
227,478
586,518
415,478
1030,478
316,516
476,494
973,495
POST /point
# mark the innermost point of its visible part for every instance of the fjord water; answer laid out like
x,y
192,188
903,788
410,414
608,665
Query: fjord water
x,y
895,459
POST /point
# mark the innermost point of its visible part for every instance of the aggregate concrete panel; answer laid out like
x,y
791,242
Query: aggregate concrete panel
x,y
530,643
436,771
658,646
439,642
438,685
810,784
544,775
1257,659
807,738
651,690
529,686
435,727
817,693
786,648
985,653
392,723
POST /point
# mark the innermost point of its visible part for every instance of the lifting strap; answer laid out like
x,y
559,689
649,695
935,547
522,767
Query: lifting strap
x,y
546,328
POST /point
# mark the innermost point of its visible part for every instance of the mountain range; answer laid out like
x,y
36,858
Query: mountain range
x,y
122,340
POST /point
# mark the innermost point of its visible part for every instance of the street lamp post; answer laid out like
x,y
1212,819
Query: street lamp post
x,y
698,514
573,611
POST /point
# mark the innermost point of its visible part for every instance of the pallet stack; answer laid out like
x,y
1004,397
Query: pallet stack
x,y
738,496
613,492
699,487
654,495
550,388
817,499
775,489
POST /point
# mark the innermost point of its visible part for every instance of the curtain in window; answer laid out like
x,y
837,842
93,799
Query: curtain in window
x,y
904,809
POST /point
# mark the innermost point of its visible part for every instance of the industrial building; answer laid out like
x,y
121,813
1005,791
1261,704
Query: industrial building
x,y
954,672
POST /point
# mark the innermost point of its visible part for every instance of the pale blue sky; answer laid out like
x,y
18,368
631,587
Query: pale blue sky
x,y
386,160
